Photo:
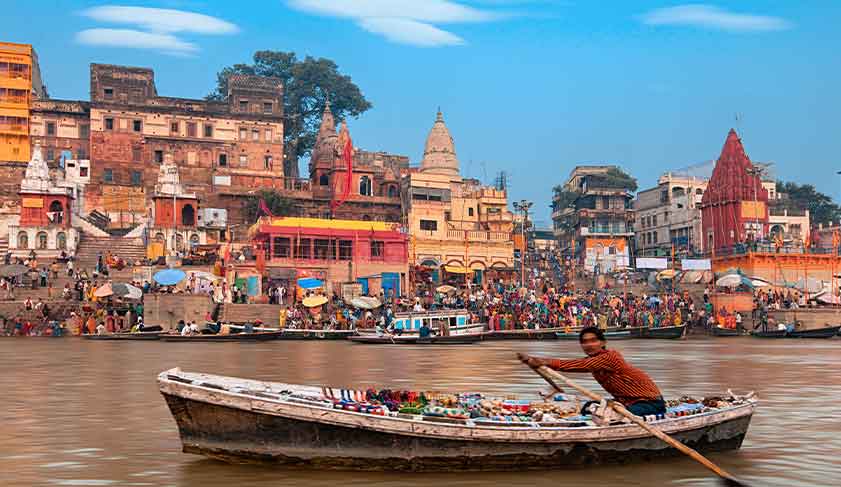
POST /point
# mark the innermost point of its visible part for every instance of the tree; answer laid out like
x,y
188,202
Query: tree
x,y
799,197
278,205
615,178
307,85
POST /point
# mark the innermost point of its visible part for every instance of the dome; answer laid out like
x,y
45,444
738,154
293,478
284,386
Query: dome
x,y
325,141
439,154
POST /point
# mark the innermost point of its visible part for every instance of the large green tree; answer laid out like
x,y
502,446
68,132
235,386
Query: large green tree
x,y
805,196
277,203
307,84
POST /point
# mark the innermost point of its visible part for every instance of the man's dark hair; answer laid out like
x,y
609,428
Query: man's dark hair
x,y
593,330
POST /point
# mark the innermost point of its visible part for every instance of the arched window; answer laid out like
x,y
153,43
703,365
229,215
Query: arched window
x,y
392,191
159,237
58,211
366,218
323,180
23,240
188,215
178,241
41,238
61,241
194,239
365,188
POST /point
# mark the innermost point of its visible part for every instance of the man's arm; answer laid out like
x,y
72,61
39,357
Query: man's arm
x,y
589,364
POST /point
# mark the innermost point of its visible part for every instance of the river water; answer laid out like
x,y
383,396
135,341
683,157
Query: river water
x,y
83,413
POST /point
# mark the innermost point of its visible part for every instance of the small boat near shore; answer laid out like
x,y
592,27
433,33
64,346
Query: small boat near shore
x,y
614,333
522,334
143,336
662,332
374,339
233,337
824,332
718,331
249,421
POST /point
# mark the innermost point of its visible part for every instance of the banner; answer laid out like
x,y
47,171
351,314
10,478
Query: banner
x,y
652,263
696,264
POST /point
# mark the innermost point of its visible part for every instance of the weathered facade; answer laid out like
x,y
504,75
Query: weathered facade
x,y
20,85
669,215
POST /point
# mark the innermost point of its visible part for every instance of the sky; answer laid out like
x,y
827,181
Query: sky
x,y
529,87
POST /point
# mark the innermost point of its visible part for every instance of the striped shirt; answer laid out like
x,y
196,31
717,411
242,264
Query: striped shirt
x,y
626,383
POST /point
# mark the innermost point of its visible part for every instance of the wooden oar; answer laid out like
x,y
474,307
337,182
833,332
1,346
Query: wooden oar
x,y
550,375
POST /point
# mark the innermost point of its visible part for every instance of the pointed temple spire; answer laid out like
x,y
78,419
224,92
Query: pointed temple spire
x,y
439,155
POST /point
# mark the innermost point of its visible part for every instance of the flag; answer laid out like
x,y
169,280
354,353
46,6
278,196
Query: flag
x,y
264,208
347,158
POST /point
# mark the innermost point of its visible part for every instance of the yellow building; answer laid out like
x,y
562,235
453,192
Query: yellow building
x,y
20,83
460,230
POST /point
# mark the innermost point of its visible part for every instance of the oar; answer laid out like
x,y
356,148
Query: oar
x,y
550,375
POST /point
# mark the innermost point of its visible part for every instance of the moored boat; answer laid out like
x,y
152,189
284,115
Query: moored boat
x,y
240,420
525,334
143,335
823,332
233,337
724,332
662,332
443,321
315,334
374,339
614,333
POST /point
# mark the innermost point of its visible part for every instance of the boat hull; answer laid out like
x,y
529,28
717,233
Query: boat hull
x,y
237,436
663,333
416,340
143,336
825,332
541,334
724,332
236,337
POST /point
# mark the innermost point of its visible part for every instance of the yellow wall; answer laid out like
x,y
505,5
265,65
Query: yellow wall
x,y
15,101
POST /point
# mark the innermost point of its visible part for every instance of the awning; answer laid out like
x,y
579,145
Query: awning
x,y
457,269
281,273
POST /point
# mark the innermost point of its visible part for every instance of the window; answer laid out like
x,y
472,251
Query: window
x,y
345,249
470,212
448,216
42,240
268,135
377,249
654,220
267,162
108,176
223,160
243,160
243,134
302,250
255,135
136,178
392,191
159,156
322,249
136,125
268,107
50,154
208,130
81,153
61,241
365,186
243,105
282,248
84,131
323,180
606,202
23,240
108,93
136,153
83,172
109,124
174,128
191,129
430,225
50,128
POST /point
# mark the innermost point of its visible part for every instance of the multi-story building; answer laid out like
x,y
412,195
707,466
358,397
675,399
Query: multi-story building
x,y
460,230
593,219
20,85
667,217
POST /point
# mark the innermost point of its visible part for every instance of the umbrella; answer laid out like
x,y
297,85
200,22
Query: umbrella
x,y
666,274
446,289
13,270
827,298
104,291
733,280
169,277
313,301
127,291
810,286
310,283
206,276
365,302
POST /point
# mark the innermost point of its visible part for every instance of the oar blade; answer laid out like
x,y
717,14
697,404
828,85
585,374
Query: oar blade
x,y
729,482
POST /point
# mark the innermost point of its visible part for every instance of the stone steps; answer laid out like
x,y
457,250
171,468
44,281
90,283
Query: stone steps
x,y
249,313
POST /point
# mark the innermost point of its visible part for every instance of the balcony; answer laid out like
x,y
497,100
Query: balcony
x,y
478,236
14,128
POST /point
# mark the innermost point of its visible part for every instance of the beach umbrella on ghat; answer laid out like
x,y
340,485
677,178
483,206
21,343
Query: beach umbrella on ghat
x,y
310,283
666,275
169,277
733,280
13,270
313,301
811,285
365,302
127,291
446,289
104,291
206,276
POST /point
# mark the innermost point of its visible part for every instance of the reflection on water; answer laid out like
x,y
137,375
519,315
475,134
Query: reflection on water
x,y
81,413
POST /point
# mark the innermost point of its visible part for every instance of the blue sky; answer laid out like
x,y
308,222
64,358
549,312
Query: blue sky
x,y
531,87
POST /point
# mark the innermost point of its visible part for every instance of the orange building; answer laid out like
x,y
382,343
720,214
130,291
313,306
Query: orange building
x,y
20,83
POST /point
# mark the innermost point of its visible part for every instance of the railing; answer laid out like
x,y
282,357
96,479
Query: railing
x,y
478,236
297,184
14,127
22,100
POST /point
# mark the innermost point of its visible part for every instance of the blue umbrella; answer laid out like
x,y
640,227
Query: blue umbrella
x,y
169,277
309,283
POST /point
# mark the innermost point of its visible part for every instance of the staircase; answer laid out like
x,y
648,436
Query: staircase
x,y
249,313
4,246
90,248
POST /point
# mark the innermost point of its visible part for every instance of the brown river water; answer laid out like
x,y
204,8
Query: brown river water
x,y
82,413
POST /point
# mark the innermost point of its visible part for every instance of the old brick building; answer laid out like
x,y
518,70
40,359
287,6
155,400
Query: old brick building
x,y
220,147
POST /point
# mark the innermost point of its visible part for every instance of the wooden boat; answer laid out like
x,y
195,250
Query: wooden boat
x,y
527,334
315,334
724,332
824,332
239,420
446,321
234,337
615,333
143,335
374,339
663,332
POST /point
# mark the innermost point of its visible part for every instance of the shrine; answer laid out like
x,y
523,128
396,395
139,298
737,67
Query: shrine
x,y
174,211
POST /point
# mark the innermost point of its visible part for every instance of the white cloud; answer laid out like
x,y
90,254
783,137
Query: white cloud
x,y
136,39
709,16
161,20
155,28
405,22
406,31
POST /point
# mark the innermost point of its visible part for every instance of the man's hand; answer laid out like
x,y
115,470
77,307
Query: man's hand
x,y
532,362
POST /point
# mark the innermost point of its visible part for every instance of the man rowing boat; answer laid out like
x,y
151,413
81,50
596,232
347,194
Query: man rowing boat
x,y
627,384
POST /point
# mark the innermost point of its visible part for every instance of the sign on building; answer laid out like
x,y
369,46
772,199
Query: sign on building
x,y
696,264
652,263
